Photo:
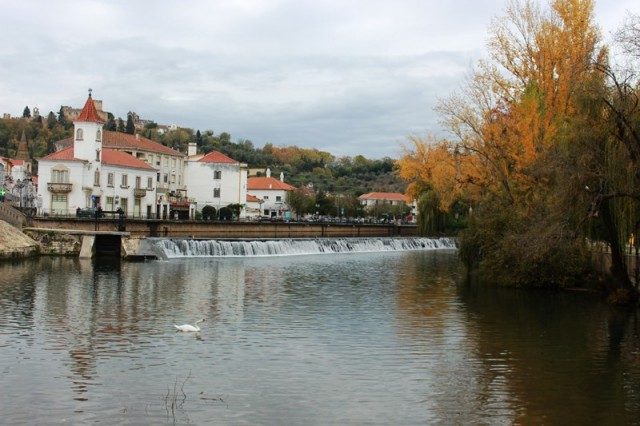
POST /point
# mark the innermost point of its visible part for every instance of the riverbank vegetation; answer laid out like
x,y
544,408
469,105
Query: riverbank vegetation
x,y
545,153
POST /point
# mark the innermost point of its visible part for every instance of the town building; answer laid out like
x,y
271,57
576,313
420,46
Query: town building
x,y
169,183
374,199
272,192
89,173
216,180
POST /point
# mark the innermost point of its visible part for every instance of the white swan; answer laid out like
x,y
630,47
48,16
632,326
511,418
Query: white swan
x,y
189,327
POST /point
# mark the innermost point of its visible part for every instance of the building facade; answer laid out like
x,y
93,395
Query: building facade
x,y
88,174
273,194
216,180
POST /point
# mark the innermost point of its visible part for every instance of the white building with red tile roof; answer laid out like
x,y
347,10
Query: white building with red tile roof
x,y
216,180
170,182
381,198
272,192
373,199
89,174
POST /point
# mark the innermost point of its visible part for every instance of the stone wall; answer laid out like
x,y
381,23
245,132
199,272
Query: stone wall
x,y
55,243
14,244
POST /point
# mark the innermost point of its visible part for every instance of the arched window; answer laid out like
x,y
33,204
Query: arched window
x,y
79,134
99,135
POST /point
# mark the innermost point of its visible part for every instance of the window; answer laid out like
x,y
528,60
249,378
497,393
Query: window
x,y
109,205
96,178
99,135
125,181
173,178
216,192
278,198
217,174
79,134
266,197
138,182
97,155
166,178
59,176
158,177
110,179
149,183
124,204
158,163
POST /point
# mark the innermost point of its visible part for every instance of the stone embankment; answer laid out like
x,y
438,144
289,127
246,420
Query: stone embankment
x,y
14,244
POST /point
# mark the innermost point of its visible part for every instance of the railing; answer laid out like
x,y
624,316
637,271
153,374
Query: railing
x,y
139,192
57,187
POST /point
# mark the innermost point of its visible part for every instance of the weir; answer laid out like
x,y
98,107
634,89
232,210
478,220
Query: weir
x,y
182,248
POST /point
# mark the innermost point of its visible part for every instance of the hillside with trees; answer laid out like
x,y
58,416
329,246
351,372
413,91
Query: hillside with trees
x,y
320,172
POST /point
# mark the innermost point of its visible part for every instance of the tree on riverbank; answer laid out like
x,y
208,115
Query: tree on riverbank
x,y
545,151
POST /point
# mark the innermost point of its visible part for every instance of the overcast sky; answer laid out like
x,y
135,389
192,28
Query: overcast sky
x,y
348,77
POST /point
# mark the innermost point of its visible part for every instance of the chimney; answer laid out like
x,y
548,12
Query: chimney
x,y
268,172
137,136
281,177
192,149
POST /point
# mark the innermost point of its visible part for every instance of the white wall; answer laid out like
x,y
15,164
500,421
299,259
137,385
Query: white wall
x,y
82,179
201,184
271,204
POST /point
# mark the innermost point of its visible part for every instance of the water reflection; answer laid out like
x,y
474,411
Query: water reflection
x,y
390,338
561,358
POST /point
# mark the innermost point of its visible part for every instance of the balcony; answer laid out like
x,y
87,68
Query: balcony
x,y
59,188
139,192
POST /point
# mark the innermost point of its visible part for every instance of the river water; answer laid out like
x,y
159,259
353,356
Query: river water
x,y
359,338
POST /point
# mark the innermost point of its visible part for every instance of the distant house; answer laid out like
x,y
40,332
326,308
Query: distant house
x,y
372,199
216,180
272,192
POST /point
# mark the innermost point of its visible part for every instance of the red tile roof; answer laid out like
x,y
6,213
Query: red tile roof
x,y
122,159
89,112
390,196
64,155
252,199
217,157
266,183
119,140
109,157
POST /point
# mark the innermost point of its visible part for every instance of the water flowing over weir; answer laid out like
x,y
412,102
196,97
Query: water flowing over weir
x,y
176,248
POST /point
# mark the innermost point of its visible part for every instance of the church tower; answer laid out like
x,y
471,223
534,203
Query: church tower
x,y
23,152
87,133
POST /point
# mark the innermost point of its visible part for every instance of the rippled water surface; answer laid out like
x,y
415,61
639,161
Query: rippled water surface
x,y
382,338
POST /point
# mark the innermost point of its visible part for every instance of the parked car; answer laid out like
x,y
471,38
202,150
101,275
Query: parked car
x,y
89,212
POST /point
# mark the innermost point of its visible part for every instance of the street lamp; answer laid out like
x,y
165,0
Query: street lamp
x,y
20,185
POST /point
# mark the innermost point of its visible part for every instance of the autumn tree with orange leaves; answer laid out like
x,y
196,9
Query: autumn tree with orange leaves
x,y
534,133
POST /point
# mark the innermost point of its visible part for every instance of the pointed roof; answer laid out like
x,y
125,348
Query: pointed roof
x,y
23,148
217,157
89,112
266,183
